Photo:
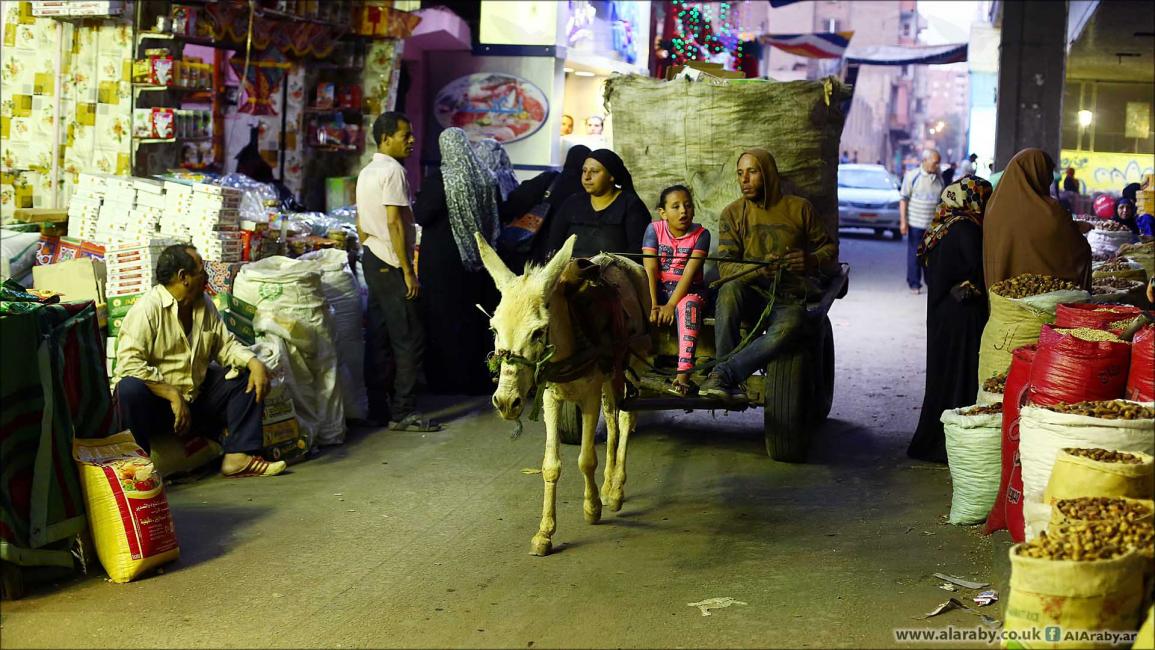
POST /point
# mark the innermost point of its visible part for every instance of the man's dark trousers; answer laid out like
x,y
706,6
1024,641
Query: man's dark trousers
x,y
221,403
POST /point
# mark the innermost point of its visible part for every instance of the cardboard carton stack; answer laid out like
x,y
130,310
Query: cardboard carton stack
x,y
129,268
84,206
206,215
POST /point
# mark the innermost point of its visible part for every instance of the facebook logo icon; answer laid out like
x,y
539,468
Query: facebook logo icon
x,y
1052,633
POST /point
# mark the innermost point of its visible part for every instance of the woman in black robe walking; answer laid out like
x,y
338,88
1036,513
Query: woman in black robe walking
x,y
956,310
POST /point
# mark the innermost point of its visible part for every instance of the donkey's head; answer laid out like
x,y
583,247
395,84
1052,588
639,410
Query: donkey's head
x,y
521,325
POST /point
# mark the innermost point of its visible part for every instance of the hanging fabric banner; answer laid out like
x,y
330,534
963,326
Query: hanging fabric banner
x,y
900,55
262,79
829,45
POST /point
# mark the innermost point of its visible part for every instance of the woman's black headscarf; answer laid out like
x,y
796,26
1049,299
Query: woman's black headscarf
x,y
1131,191
615,167
570,179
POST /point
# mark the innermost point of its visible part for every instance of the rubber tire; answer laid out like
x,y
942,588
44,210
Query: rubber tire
x,y
897,234
785,421
569,423
880,233
824,387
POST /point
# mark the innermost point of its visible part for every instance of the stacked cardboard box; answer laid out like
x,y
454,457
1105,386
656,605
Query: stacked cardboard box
x,y
238,316
206,215
130,267
84,205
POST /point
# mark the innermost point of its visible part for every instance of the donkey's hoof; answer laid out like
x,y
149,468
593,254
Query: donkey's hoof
x,y
593,511
614,503
540,546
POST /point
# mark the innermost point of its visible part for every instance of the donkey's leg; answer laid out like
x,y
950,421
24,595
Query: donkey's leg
x,y
626,423
610,411
550,471
588,460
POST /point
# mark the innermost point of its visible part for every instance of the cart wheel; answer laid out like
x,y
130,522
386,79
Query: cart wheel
x,y
11,581
787,388
569,423
824,383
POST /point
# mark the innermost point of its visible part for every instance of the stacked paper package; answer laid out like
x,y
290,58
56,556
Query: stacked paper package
x,y
206,215
84,205
130,266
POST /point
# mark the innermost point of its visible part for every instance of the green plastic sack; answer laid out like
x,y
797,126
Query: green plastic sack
x,y
1015,322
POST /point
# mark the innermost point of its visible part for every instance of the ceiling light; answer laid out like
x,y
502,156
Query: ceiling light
x,y
568,70
1085,118
583,73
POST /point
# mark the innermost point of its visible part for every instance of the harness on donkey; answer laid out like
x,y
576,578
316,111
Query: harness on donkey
x,y
602,337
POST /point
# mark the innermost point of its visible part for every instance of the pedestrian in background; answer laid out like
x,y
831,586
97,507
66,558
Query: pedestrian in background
x,y
1070,183
956,309
386,228
921,189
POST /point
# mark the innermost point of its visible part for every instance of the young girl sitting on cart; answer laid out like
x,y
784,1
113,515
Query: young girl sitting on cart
x,y
678,247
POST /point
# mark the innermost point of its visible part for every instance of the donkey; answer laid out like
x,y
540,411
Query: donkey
x,y
567,325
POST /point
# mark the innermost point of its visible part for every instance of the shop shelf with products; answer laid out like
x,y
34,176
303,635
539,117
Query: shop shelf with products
x,y
334,113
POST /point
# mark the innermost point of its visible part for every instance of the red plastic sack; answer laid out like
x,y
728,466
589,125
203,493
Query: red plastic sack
x,y
1069,369
1008,510
1095,316
1141,378
1104,206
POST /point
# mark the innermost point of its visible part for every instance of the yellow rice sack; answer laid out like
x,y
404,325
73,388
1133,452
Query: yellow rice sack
x,y
127,508
1092,595
1145,639
1078,476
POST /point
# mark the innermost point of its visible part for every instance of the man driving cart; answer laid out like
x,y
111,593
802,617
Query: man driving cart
x,y
764,224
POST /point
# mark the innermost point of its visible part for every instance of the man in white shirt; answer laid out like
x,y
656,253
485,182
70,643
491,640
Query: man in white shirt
x,y
164,383
389,238
921,189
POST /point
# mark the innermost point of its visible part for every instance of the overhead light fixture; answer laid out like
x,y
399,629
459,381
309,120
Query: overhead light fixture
x,y
568,70
1085,118
583,73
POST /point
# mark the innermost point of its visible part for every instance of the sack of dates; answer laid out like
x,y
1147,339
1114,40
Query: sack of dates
x,y
1008,510
1078,365
1087,509
1141,378
1045,430
1116,290
1020,306
1078,578
1098,472
973,448
1092,315
991,391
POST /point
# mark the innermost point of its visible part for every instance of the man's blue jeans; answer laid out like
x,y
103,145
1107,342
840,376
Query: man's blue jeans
x,y
737,302
913,267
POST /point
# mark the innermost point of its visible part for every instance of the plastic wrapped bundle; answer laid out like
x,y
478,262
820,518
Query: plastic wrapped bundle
x,y
343,294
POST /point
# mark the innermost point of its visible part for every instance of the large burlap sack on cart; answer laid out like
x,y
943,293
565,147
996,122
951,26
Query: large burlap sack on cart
x,y
974,454
1044,433
127,508
1078,476
291,306
1015,322
343,295
1073,595
798,122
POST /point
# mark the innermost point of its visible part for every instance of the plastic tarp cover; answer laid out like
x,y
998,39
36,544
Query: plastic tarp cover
x,y
343,294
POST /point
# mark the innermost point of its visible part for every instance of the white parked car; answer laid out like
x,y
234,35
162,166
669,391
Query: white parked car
x,y
868,197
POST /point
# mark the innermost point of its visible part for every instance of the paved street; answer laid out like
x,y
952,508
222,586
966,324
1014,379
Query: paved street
x,y
421,540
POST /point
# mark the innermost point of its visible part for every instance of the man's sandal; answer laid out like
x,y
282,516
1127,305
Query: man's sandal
x,y
258,466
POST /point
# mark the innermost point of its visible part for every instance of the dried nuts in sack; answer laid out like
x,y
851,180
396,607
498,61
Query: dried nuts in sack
x,y
1090,541
989,409
996,384
1090,334
1104,455
1116,264
1030,284
1117,283
1105,410
1102,509
1111,226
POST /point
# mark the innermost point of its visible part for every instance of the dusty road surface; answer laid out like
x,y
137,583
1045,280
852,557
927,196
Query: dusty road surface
x,y
421,540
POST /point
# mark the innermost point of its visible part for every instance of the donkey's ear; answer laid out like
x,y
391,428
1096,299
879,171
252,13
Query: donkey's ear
x,y
556,265
500,273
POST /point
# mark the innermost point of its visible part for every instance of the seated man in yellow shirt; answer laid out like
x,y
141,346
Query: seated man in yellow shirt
x,y
163,380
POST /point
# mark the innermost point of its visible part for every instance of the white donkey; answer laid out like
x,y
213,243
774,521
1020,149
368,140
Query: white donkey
x,y
549,328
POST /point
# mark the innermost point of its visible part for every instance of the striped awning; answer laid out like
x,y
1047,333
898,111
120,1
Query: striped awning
x,y
831,45
903,55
